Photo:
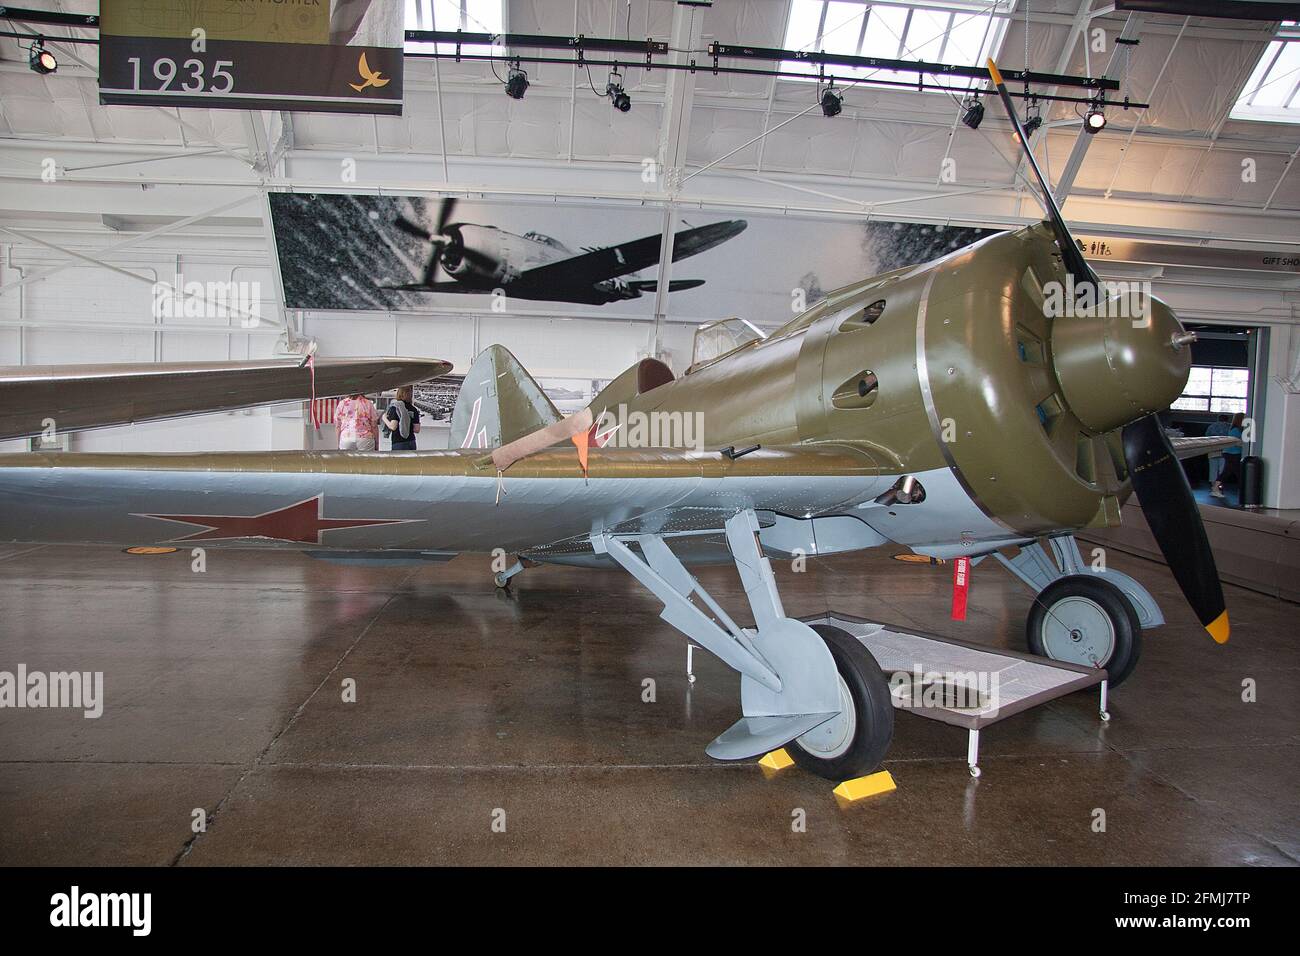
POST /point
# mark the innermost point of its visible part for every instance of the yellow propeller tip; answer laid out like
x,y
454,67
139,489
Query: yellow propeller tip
x,y
995,73
1219,628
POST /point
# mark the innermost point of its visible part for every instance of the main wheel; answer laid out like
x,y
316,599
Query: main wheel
x,y
1083,619
855,742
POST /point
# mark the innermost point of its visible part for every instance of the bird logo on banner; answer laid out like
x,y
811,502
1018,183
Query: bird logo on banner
x,y
372,77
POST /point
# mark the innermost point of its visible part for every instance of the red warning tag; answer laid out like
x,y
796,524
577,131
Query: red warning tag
x,y
960,587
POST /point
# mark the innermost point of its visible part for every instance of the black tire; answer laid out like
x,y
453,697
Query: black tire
x,y
1126,630
873,711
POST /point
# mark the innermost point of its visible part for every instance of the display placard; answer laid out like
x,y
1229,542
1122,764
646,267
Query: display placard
x,y
322,55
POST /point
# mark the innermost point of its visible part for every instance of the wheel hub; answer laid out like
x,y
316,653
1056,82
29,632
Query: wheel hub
x,y
1078,630
833,738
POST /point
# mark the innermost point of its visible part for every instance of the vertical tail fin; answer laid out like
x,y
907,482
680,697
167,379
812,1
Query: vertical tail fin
x,y
498,403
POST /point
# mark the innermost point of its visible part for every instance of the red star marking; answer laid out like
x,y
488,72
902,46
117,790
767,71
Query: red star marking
x,y
301,523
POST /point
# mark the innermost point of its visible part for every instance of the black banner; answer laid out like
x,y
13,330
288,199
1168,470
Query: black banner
x,y
247,74
321,55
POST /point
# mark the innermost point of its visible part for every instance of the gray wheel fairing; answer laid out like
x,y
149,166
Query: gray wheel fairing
x,y
809,677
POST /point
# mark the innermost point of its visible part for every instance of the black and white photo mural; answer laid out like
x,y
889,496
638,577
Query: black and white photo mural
x,y
412,254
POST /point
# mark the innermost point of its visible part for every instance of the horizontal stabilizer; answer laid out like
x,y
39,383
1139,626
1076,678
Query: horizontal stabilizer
x,y
674,285
498,403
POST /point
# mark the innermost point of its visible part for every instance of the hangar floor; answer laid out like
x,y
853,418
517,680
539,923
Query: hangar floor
x,y
223,691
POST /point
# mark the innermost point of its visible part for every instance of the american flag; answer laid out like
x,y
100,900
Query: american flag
x,y
322,410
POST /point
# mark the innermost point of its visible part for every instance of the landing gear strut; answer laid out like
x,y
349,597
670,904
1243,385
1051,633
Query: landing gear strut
x,y
502,578
820,688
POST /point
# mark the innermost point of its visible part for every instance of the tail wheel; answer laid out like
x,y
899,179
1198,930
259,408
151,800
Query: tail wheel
x,y
1082,619
856,741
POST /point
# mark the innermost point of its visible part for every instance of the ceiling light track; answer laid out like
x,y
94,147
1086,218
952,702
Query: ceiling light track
x,y
744,71
649,49
580,45
771,54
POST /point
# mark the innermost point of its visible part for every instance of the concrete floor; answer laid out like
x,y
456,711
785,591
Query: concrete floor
x,y
223,692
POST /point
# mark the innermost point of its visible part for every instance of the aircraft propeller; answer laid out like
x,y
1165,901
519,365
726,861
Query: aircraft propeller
x,y
1157,476
439,237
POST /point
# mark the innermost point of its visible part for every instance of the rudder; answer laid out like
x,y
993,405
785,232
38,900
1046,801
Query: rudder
x,y
498,402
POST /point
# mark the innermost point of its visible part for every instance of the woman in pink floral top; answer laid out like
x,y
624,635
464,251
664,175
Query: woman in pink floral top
x,y
357,421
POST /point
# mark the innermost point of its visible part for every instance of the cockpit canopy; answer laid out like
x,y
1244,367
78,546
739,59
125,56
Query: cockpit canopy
x,y
713,340
544,239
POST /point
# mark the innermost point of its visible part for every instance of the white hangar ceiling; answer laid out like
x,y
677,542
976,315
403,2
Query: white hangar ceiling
x,y
1184,148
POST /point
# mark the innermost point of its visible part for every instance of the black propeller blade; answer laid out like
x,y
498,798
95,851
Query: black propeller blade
x,y
1175,520
410,228
444,214
1157,476
1072,257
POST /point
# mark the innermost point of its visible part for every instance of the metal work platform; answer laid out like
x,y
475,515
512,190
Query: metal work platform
x,y
966,685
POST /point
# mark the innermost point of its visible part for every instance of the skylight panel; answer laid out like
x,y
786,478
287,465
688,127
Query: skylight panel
x,y
963,32
471,16
1273,91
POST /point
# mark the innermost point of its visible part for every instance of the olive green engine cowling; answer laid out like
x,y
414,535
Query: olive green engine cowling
x,y
954,364
1121,362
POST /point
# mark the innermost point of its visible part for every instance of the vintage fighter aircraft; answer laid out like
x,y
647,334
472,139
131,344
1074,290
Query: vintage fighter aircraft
x,y
935,406
479,259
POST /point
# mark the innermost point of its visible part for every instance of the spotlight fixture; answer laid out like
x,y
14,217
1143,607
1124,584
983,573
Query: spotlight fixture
x,y
617,97
974,113
832,102
516,83
40,59
1094,121
1033,118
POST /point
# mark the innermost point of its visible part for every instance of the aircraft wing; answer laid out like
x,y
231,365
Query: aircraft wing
x,y
583,271
1191,447
76,397
439,501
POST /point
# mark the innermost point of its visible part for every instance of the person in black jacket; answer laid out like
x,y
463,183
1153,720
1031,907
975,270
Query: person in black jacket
x,y
402,418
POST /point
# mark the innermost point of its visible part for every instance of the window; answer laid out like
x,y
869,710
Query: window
x,y
1273,90
1214,389
956,31
472,16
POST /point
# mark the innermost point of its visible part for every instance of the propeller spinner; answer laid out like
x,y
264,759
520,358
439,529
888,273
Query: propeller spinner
x,y
1116,373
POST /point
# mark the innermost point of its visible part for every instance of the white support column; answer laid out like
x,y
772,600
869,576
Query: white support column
x,y
1280,445
679,94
